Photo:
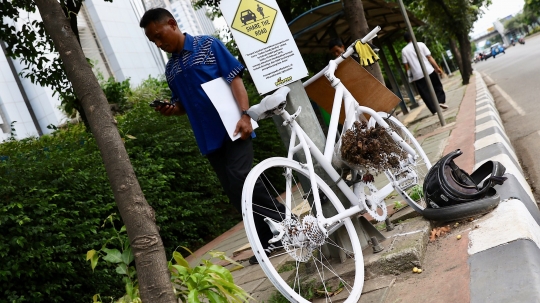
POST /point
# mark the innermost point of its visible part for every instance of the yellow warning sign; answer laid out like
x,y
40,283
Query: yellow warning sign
x,y
254,19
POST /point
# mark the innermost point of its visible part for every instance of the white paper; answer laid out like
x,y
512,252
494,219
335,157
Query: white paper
x,y
220,93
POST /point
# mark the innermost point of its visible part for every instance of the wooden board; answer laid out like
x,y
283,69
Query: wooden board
x,y
365,88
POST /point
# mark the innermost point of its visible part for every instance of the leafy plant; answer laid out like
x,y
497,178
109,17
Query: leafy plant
x,y
123,259
329,290
398,205
416,192
192,284
277,297
117,93
208,280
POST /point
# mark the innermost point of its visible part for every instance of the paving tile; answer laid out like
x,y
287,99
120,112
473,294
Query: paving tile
x,y
252,285
255,273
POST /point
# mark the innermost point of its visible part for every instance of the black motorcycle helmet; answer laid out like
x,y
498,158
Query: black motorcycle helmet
x,y
446,184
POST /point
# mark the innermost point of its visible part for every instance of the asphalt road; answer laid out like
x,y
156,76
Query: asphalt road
x,y
514,81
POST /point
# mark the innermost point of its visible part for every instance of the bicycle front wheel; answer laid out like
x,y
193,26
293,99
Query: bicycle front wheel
x,y
412,191
306,265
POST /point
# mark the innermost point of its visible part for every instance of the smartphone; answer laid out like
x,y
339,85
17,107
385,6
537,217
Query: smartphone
x,y
157,103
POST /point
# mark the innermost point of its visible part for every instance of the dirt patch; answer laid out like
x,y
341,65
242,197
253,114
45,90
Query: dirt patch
x,y
445,276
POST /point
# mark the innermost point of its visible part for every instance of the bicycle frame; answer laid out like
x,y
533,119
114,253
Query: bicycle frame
x,y
353,112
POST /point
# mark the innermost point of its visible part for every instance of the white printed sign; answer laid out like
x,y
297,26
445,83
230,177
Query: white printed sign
x,y
265,42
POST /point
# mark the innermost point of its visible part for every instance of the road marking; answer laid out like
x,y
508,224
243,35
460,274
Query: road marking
x,y
510,100
488,78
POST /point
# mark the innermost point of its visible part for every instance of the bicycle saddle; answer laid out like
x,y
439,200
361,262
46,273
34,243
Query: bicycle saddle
x,y
271,105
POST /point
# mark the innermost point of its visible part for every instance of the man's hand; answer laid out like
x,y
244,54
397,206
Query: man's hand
x,y
434,64
243,127
171,109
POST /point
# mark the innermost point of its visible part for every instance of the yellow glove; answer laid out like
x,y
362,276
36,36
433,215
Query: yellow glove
x,y
367,55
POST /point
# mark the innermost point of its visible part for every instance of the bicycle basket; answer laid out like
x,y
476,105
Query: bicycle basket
x,y
368,149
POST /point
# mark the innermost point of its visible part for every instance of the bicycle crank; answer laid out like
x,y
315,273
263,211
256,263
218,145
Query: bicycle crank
x,y
368,195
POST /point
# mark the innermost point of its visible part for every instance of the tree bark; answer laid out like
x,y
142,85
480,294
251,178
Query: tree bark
x,y
465,51
455,52
354,14
147,246
71,9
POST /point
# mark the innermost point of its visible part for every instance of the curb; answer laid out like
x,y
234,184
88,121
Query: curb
x,y
504,246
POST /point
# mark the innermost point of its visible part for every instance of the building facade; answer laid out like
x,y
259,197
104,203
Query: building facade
x,y
110,37
194,22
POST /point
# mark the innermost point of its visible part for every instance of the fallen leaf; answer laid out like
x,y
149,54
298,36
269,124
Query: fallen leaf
x,y
432,235
438,232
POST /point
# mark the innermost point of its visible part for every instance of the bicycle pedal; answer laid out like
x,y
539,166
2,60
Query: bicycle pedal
x,y
407,185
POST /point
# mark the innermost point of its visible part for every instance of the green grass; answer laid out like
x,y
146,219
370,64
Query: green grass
x,y
416,192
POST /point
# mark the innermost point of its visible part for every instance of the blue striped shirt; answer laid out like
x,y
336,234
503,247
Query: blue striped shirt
x,y
203,59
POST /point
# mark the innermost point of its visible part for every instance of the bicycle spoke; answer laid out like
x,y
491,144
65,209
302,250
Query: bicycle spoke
x,y
321,275
349,253
332,270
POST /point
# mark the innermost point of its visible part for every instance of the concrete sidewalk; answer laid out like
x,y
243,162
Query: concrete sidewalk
x,y
453,270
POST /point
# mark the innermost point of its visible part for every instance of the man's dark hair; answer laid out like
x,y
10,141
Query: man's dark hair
x,y
407,37
155,15
334,42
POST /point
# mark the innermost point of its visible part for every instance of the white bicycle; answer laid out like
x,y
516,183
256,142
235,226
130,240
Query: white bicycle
x,y
313,216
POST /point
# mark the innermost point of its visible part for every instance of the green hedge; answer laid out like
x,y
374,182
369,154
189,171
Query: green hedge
x,y
54,196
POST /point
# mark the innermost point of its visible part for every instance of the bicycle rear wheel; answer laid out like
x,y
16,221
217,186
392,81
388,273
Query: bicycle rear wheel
x,y
303,269
414,173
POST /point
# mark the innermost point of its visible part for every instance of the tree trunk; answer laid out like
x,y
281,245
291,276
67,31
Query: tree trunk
x,y
465,50
354,14
71,9
138,216
455,52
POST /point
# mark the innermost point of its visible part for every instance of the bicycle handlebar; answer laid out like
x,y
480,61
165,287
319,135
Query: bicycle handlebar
x,y
370,36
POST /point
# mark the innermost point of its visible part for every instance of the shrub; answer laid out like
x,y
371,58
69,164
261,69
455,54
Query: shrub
x,y
54,194
117,93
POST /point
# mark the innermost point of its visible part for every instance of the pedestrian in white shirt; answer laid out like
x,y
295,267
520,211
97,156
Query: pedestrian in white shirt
x,y
416,76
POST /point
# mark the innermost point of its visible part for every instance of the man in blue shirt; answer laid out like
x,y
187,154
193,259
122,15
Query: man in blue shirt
x,y
197,60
